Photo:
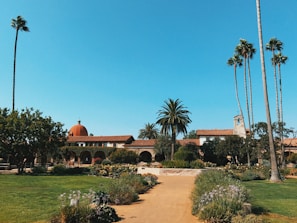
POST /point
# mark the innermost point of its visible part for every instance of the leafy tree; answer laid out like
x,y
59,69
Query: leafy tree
x,y
208,149
231,146
191,135
19,24
236,61
26,134
173,119
149,132
188,152
275,175
123,156
163,146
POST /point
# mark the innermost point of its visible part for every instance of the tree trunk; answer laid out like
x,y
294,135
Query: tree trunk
x,y
275,176
14,68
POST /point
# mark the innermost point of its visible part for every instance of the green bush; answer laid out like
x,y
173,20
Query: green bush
x,y
123,156
113,171
120,193
136,181
39,170
292,158
217,197
250,218
91,207
197,164
175,164
184,155
63,170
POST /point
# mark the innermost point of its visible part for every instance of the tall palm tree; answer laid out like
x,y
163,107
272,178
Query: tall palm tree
x,y
243,50
275,176
251,52
149,131
173,118
275,45
236,61
20,25
278,60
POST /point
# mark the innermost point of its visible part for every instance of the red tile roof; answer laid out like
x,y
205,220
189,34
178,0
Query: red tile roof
x,y
214,132
183,142
151,142
290,142
123,139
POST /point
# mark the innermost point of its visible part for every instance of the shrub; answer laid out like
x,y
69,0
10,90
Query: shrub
x,y
63,170
197,164
136,181
217,197
120,193
113,171
250,218
39,170
90,207
292,158
123,156
175,164
151,179
184,155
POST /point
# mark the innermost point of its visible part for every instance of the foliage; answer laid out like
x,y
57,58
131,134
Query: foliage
x,y
113,171
163,146
250,218
217,197
191,135
246,173
292,158
195,164
37,170
188,152
121,193
27,133
173,119
123,156
149,132
89,207
63,170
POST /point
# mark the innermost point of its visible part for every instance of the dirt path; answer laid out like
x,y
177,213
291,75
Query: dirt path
x,y
169,202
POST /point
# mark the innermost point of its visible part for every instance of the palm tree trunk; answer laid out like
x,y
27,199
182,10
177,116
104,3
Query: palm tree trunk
x,y
281,118
275,176
246,95
251,98
173,144
14,67
236,91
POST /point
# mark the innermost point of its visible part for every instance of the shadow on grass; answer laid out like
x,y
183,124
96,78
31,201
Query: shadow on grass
x,y
258,210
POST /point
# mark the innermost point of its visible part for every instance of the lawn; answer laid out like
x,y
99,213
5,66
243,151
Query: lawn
x,y
26,199
277,201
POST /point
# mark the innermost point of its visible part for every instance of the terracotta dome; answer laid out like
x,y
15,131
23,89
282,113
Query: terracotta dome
x,y
78,130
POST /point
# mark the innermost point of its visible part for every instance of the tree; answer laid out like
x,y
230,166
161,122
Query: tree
x,y
173,118
236,61
19,24
275,45
280,59
275,175
148,132
246,51
191,135
162,147
26,134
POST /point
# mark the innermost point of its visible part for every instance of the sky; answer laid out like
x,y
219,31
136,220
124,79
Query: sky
x,y
113,63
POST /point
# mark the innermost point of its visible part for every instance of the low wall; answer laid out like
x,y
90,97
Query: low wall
x,y
169,171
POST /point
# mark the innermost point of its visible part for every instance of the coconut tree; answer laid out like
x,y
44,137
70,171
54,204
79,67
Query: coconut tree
x,y
149,131
173,119
19,24
242,49
278,60
251,52
275,176
236,61
275,45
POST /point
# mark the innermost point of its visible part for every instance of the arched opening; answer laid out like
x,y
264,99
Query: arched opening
x,y
99,156
159,157
145,157
85,157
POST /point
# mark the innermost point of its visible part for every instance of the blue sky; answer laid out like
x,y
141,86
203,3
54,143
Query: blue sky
x,y
112,64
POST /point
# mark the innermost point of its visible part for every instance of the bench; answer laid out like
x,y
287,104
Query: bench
x,y
5,166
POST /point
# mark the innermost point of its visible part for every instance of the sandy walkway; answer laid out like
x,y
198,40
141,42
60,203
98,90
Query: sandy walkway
x,y
167,202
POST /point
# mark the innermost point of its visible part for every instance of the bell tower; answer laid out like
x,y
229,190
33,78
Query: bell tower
x,y
239,127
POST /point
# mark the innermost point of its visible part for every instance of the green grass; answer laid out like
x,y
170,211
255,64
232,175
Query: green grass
x,y
276,201
26,199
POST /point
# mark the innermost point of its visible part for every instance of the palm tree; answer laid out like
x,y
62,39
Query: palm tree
x,y
280,59
173,118
19,24
275,45
251,52
243,50
148,132
236,61
275,176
